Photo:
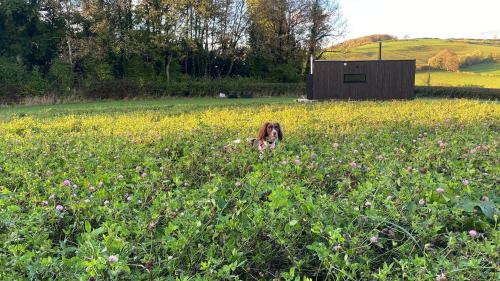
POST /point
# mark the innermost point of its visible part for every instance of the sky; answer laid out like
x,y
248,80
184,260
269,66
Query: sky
x,y
422,18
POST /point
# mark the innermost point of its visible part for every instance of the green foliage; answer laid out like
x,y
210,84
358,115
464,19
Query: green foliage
x,y
37,84
285,73
61,75
17,82
113,89
11,73
96,41
28,37
238,87
96,70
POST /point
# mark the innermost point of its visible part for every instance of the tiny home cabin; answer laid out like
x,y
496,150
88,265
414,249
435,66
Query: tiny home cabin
x,y
361,80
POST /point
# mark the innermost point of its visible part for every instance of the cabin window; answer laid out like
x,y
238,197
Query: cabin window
x,y
354,78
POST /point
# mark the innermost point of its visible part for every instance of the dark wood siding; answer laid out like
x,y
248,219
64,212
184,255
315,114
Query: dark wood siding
x,y
309,86
386,79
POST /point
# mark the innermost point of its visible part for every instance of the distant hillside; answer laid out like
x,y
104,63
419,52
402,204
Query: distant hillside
x,y
352,43
419,49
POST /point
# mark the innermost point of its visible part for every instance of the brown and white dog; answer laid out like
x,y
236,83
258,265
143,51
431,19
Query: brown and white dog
x,y
269,135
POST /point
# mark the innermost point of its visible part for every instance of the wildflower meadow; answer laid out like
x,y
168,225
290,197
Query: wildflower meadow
x,y
400,190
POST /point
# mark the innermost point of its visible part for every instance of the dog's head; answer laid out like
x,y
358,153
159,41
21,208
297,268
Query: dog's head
x,y
270,132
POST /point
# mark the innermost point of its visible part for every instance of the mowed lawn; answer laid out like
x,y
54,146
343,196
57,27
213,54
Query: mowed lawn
x,y
172,190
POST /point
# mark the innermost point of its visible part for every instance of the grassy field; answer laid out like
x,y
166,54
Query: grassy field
x,y
164,190
459,79
485,68
419,49
164,106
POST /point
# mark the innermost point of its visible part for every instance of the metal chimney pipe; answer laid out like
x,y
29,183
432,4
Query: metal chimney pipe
x,y
380,50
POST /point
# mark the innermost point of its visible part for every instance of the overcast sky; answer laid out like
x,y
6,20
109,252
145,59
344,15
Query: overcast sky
x,y
423,18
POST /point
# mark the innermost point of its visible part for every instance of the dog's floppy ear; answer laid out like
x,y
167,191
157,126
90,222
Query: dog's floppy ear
x,y
280,132
263,131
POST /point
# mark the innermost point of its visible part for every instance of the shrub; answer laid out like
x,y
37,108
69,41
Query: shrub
x,y
36,84
93,69
114,89
61,76
12,77
16,82
284,73
476,57
240,87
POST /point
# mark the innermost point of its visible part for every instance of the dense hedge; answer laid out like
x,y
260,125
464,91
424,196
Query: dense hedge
x,y
239,87
126,89
232,87
458,92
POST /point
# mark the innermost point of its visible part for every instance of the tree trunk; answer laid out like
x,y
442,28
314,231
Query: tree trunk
x,y
168,60
69,9
230,66
70,50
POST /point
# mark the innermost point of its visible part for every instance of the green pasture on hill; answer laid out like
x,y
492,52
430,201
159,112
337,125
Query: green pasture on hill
x,y
458,79
419,49
484,68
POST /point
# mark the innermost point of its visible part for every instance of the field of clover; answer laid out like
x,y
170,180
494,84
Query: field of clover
x,y
403,190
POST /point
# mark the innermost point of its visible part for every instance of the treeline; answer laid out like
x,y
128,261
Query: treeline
x,y
450,61
63,46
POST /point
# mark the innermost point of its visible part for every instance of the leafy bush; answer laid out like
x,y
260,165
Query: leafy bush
x,y
16,82
285,73
114,89
95,70
61,77
476,57
36,84
12,78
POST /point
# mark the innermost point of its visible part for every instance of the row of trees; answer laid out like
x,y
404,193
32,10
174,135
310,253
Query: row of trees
x,y
167,39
